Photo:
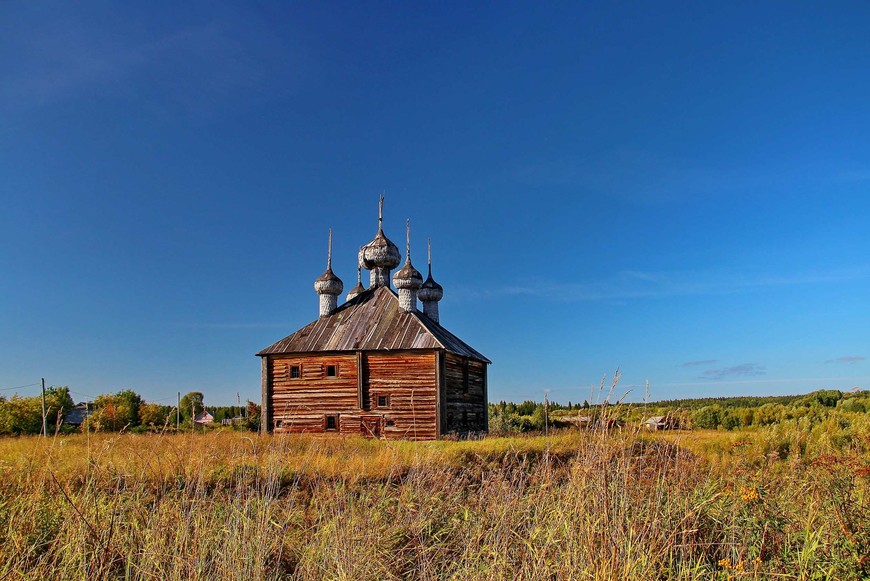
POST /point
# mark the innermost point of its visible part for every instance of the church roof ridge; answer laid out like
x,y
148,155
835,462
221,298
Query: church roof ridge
x,y
372,321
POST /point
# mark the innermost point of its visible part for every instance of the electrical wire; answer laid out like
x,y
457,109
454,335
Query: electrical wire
x,y
18,387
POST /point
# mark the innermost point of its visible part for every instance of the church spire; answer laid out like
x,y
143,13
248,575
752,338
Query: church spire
x,y
328,286
408,280
380,255
359,288
430,293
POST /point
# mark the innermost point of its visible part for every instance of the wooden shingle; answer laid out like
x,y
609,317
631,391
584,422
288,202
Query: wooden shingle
x,y
372,321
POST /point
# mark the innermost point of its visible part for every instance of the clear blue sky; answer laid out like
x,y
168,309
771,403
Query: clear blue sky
x,y
681,190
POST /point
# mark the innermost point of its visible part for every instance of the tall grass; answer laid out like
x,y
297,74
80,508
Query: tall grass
x,y
787,502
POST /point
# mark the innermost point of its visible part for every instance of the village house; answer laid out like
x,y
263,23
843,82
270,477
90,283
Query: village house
x,y
668,422
77,415
376,365
203,418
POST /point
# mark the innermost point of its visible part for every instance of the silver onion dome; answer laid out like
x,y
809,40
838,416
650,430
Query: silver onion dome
x,y
408,277
380,252
359,288
431,290
328,283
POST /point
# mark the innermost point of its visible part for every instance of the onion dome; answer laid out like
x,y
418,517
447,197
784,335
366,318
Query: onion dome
x,y
380,252
359,288
408,277
327,283
431,290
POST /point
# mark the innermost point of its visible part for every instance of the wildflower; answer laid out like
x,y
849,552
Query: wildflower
x,y
725,564
748,493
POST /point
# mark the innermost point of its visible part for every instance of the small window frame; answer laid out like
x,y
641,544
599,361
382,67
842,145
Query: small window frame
x,y
333,369
294,371
386,402
330,419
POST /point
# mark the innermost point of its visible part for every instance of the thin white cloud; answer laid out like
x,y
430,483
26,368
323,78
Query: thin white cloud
x,y
192,68
754,381
855,176
640,285
743,370
847,359
699,363
233,325
644,177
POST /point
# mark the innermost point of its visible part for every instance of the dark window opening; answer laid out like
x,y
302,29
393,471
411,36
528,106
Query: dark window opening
x,y
331,371
331,422
294,372
383,401
278,423
391,423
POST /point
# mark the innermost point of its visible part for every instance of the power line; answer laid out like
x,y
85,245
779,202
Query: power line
x,y
83,394
18,387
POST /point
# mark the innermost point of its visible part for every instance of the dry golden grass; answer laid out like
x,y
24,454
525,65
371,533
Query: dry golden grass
x,y
683,505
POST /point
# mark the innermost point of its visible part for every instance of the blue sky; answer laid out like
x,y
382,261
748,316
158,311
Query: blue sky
x,y
680,190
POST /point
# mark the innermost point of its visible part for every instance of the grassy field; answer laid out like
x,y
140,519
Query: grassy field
x,y
786,502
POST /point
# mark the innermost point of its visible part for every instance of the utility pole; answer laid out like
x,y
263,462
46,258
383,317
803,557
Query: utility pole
x,y
44,418
178,413
546,413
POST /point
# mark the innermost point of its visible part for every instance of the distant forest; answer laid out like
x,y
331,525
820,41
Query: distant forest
x,y
127,411
711,413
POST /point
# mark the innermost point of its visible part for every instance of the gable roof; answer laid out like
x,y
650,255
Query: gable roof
x,y
372,321
76,415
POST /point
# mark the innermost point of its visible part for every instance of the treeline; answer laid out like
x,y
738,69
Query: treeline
x,y
728,402
725,413
125,410
23,415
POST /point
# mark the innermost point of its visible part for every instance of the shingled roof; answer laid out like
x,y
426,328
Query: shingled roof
x,y
372,321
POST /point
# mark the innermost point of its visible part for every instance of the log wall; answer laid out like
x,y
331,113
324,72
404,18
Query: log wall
x,y
301,404
465,397
408,381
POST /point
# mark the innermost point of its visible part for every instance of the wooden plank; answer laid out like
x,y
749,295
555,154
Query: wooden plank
x,y
439,382
465,410
265,416
375,322
360,379
302,404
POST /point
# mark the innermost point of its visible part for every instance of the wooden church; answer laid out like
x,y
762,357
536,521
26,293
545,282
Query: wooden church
x,y
376,365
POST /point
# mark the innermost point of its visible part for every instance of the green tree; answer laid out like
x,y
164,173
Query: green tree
x,y
708,417
115,411
538,417
253,414
23,415
129,402
853,404
191,404
152,414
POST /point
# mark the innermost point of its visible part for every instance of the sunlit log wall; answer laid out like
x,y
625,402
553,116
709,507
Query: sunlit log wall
x,y
392,395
